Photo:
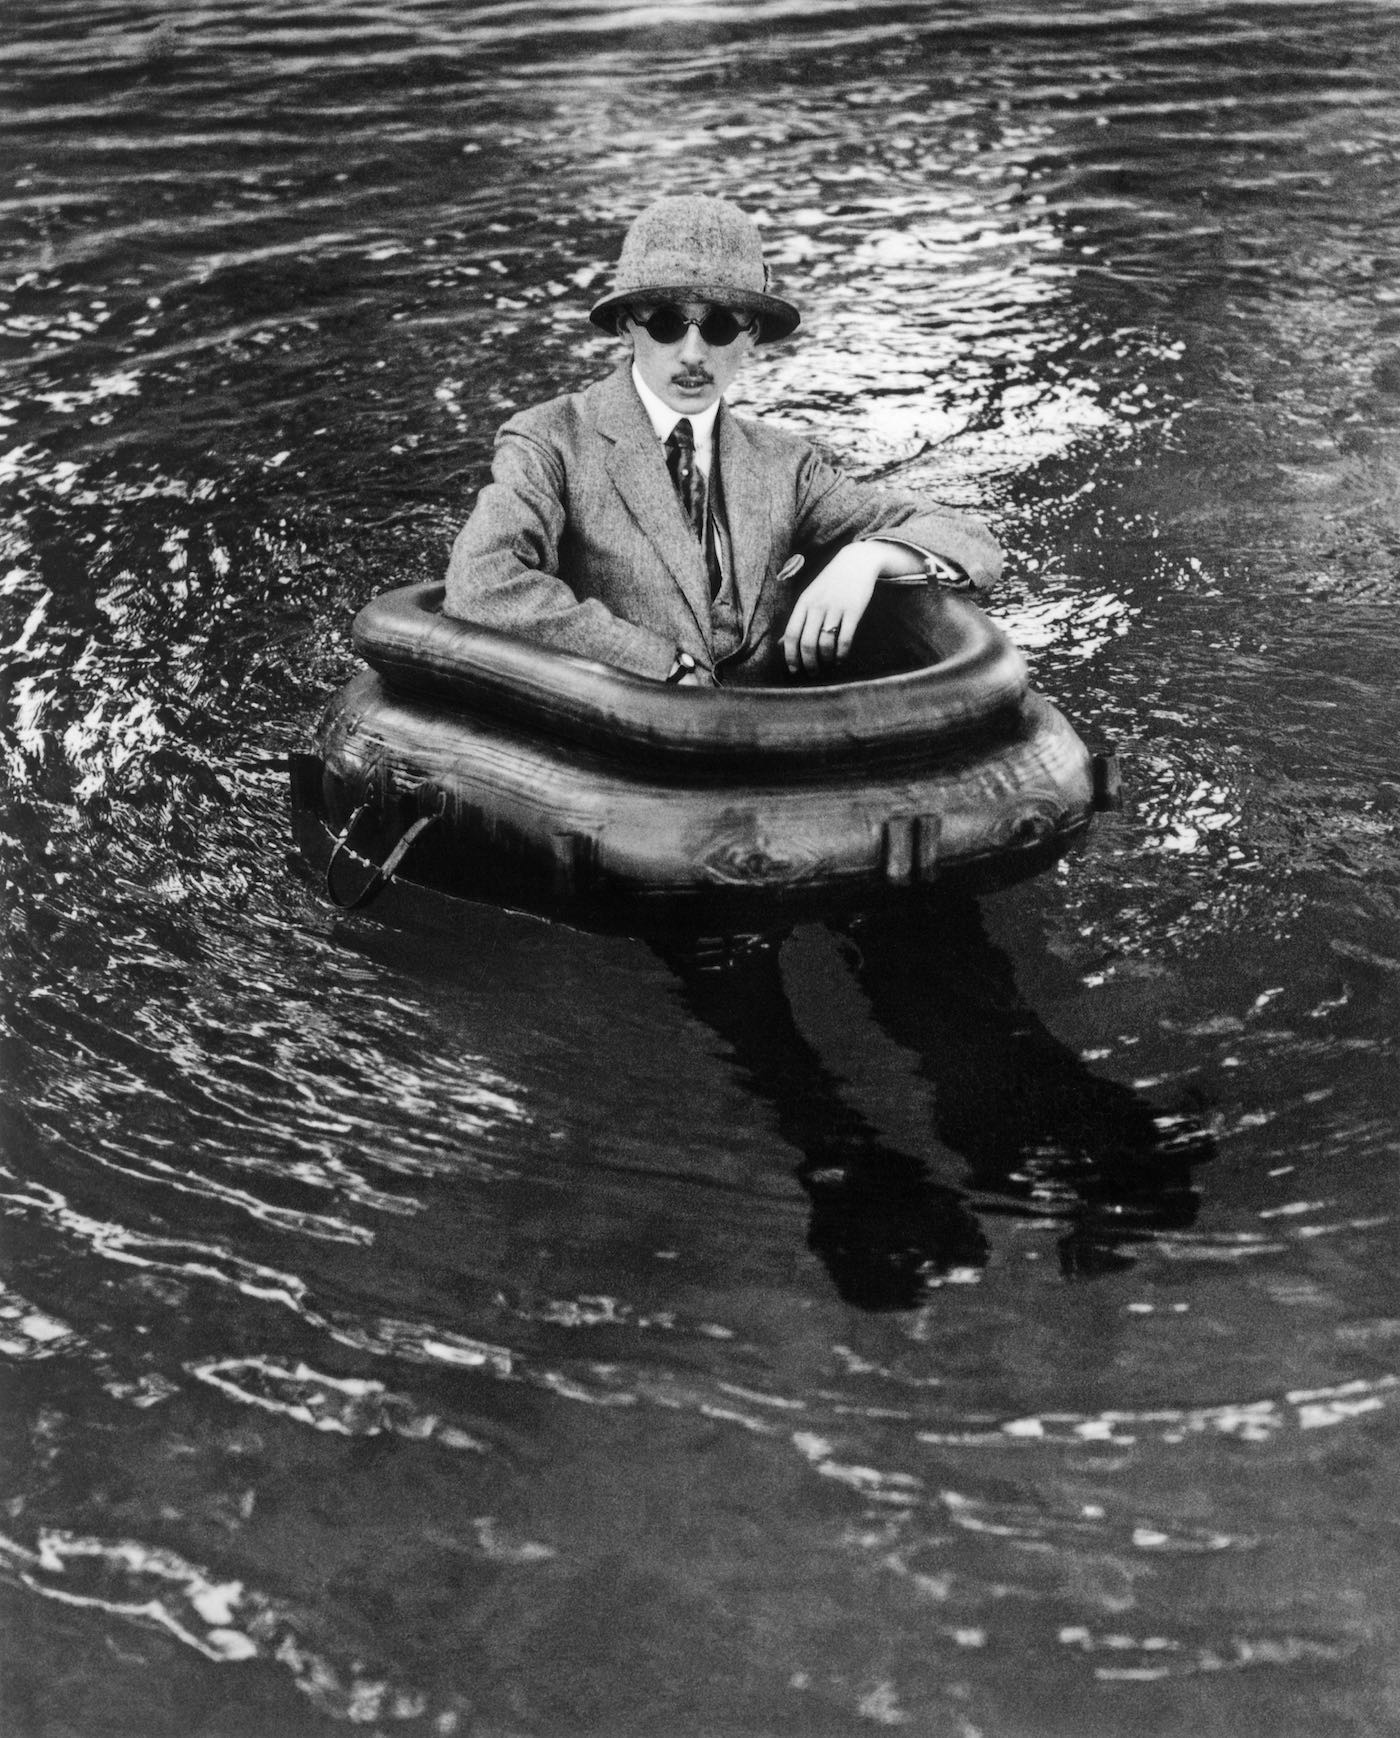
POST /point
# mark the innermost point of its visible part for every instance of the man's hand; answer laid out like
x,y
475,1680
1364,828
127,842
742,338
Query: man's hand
x,y
825,618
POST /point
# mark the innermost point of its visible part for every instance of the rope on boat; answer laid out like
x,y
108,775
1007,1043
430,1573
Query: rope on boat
x,y
383,872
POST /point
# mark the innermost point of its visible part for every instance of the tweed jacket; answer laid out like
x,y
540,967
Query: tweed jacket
x,y
579,542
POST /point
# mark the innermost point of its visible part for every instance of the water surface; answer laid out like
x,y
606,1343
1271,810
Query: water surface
x,y
981,1324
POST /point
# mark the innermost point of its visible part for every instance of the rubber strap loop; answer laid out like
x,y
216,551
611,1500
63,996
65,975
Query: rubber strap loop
x,y
383,872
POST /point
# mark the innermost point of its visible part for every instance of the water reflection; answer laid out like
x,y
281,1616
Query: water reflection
x,y
1042,1134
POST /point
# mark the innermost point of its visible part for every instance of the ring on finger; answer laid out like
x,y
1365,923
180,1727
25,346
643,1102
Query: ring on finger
x,y
827,634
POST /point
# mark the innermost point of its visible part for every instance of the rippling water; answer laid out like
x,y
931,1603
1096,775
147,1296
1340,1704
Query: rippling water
x,y
981,1326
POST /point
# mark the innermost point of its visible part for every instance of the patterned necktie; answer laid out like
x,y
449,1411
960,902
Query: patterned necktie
x,y
690,487
685,474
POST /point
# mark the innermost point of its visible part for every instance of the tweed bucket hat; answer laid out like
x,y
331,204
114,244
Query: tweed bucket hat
x,y
694,248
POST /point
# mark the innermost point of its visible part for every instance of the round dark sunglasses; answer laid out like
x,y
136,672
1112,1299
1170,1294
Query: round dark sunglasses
x,y
668,325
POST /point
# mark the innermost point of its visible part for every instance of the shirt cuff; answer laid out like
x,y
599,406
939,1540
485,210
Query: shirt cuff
x,y
938,569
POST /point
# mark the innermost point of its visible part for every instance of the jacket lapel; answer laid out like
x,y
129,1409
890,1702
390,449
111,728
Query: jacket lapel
x,y
637,467
747,509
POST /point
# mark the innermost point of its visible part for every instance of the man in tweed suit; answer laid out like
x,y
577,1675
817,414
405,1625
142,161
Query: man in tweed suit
x,y
642,523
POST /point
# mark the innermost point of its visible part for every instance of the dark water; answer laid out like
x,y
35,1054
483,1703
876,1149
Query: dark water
x,y
976,1326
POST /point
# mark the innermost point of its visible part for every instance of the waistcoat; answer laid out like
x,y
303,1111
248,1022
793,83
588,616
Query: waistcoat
x,y
726,622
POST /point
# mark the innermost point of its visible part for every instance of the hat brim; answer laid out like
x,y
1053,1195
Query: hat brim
x,y
776,318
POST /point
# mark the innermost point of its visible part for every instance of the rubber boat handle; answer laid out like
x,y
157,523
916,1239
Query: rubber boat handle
x,y
1108,781
383,872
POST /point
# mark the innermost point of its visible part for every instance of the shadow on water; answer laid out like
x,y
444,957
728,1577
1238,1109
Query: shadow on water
x,y
1042,1134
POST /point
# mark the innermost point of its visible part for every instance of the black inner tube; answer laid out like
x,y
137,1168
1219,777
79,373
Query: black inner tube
x,y
931,668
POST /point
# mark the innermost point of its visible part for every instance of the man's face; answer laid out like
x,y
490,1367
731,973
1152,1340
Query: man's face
x,y
689,374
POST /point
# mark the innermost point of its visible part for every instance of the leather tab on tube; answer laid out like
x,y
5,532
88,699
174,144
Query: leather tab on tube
x,y
575,864
898,849
1108,782
928,833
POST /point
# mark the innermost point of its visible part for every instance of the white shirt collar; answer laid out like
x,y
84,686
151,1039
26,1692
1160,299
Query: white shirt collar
x,y
664,419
